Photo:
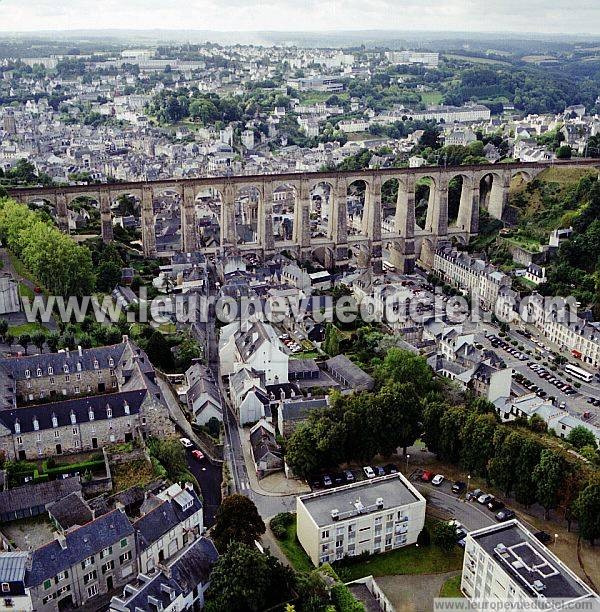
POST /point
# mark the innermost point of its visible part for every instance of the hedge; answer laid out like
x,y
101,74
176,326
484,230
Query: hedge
x,y
344,601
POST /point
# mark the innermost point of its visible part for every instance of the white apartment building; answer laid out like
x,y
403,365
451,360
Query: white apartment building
x,y
371,516
450,114
478,278
507,562
578,336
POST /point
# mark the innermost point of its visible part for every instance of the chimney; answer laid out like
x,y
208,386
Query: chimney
x,y
125,339
67,351
62,540
120,506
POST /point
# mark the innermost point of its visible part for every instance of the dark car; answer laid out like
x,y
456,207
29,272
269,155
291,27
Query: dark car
x,y
379,471
543,537
390,468
458,487
349,476
327,482
495,505
505,515
338,479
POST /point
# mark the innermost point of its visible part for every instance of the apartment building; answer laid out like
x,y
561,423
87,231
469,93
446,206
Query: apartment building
x,y
370,516
69,402
480,279
507,562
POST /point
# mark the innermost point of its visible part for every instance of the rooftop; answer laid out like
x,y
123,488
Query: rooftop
x,y
530,563
360,498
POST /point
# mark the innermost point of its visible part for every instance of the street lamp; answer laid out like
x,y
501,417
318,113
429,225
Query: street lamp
x,y
555,538
468,482
407,458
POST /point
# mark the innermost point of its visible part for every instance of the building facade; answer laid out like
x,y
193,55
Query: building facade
x,y
371,516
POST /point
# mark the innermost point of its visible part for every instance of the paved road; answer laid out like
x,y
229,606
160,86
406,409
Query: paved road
x,y
209,477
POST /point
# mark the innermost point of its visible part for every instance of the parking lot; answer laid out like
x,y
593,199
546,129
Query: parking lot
x,y
531,376
328,480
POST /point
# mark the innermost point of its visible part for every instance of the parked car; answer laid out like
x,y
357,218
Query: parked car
x,y
368,470
390,468
426,476
495,504
437,480
199,455
458,487
327,482
379,471
485,498
543,537
505,515
349,475
186,442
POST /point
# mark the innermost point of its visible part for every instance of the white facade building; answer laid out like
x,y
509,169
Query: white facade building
x,y
507,562
371,516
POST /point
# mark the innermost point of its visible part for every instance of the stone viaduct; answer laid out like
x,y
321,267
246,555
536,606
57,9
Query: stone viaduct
x,y
482,186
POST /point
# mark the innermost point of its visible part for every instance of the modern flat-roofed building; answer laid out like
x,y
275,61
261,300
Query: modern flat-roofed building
x,y
507,562
371,516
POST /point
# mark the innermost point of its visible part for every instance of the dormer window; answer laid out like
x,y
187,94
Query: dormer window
x,y
108,412
39,371
79,366
126,407
96,364
73,418
111,362
54,420
91,415
66,368
50,370
36,424
17,427
27,374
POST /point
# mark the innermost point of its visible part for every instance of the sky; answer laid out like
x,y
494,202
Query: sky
x,y
539,16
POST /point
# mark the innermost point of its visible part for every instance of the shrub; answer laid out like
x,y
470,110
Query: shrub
x,y
424,538
280,523
344,601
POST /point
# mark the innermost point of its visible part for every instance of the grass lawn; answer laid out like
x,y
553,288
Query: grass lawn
x,y
25,291
451,588
294,552
408,560
27,328
305,355
431,97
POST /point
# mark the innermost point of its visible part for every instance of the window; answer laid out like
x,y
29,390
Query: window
x,y
73,420
79,366
87,562
66,369
17,427
92,590
78,376
89,577
325,534
108,412
123,542
96,364
91,415
19,440
52,380
57,434
67,378
106,552
107,567
62,575
75,431
111,362
39,371
27,374
76,389
47,584
125,557
5,587
48,598
50,370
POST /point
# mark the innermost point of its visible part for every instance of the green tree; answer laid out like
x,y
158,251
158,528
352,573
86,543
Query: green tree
x,y
581,436
3,328
444,536
300,451
9,339
526,462
548,475
109,275
405,367
587,511
246,580
38,339
564,152
52,340
432,416
450,440
170,455
477,438
237,520
24,340
502,467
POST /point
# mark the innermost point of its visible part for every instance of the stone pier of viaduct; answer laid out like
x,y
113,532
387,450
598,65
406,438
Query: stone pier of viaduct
x,y
481,186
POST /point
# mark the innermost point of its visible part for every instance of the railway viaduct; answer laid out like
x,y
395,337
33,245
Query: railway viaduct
x,y
481,186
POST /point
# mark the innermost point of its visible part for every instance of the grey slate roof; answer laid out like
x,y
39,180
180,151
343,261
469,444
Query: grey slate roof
x,y
40,494
350,372
79,406
81,543
70,511
162,519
